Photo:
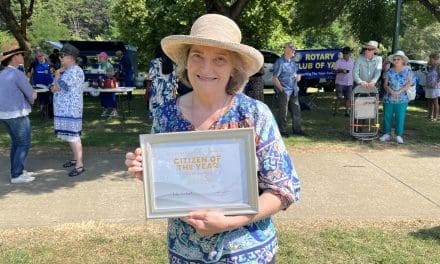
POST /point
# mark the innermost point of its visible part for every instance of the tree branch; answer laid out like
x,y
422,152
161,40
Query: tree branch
x,y
432,8
237,8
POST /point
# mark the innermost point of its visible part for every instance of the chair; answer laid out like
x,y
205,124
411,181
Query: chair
x,y
312,94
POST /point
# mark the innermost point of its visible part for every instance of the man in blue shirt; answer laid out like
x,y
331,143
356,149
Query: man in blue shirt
x,y
286,80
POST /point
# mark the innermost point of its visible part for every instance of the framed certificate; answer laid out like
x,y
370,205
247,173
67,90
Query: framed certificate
x,y
194,170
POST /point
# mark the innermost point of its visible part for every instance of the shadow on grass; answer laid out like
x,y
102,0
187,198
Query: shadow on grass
x,y
428,234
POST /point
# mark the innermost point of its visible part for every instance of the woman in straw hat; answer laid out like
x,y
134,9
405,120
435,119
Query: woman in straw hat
x,y
216,65
16,99
68,106
397,81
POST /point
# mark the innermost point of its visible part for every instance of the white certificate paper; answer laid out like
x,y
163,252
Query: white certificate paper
x,y
200,170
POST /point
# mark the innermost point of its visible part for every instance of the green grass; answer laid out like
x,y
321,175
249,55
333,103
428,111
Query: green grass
x,y
92,243
319,123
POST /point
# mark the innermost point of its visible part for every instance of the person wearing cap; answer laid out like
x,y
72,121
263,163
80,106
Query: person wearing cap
x,y
285,79
108,100
16,99
368,67
68,106
216,65
397,81
344,80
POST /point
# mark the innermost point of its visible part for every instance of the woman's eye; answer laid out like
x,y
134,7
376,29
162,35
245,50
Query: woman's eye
x,y
220,60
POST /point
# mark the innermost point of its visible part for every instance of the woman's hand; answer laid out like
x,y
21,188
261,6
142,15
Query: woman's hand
x,y
134,163
207,222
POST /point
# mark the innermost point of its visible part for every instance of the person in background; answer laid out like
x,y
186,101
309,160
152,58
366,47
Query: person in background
x,y
108,100
432,89
126,76
16,99
68,106
163,81
255,87
42,74
54,59
395,100
344,80
368,67
285,79
216,65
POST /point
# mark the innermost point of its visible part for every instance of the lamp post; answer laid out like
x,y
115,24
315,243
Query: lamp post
x,y
397,26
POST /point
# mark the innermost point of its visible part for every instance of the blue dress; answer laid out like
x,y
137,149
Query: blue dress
x,y
68,104
163,86
254,243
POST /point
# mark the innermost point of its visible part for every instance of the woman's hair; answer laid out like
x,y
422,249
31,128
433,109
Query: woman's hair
x,y
236,82
437,69
434,56
167,63
6,62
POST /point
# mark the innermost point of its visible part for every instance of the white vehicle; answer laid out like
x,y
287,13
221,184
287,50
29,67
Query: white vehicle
x,y
269,59
419,68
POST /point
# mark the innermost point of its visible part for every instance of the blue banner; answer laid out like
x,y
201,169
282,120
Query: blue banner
x,y
315,64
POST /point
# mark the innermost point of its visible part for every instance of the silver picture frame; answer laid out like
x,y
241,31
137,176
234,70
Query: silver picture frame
x,y
196,170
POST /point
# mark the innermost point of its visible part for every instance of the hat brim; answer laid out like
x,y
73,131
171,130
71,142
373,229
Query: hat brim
x,y
176,47
11,54
391,57
365,46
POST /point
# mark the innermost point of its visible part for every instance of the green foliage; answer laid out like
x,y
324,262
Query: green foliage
x,y
46,26
6,37
144,24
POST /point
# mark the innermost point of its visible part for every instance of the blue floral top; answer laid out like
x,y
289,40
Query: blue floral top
x,y
254,243
163,86
68,104
396,80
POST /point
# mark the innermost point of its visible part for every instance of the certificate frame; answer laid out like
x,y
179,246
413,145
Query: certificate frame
x,y
170,171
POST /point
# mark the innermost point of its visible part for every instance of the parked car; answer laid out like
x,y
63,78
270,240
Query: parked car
x,y
269,59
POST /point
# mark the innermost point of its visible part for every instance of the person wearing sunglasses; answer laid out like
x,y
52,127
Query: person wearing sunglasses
x,y
368,66
68,106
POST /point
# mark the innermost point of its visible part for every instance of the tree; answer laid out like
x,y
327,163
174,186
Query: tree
x,y
17,26
433,7
233,10
44,25
263,23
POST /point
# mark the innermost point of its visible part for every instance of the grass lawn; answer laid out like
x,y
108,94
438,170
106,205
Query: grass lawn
x,y
321,126
409,242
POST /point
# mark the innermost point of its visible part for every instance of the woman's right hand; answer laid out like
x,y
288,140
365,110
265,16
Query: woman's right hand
x,y
134,163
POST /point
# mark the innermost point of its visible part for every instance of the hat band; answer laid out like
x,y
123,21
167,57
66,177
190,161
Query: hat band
x,y
11,51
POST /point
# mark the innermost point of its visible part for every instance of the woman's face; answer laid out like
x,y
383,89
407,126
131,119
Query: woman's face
x,y
209,68
398,61
102,59
66,60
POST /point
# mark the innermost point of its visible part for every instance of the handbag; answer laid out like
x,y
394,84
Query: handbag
x,y
411,93
110,83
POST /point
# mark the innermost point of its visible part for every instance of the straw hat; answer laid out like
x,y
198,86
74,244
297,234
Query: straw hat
x,y
372,44
398,53
215,31
9,50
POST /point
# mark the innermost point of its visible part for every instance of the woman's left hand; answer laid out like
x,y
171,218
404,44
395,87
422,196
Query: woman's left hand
x,y
207,222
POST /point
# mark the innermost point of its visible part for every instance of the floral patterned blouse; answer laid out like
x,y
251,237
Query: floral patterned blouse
x,y
254,243
68,104
163,86
396,80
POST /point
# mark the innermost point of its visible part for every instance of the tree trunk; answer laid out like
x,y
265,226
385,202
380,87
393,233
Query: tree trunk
x,y
219,7
18,30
